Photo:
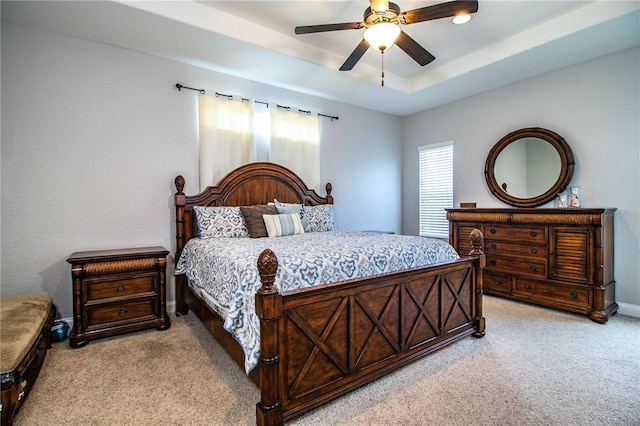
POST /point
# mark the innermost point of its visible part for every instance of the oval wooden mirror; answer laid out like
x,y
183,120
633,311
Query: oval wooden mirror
x,y
529,167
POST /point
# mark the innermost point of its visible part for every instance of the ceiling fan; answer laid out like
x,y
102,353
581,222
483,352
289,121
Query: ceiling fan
x,y
385,18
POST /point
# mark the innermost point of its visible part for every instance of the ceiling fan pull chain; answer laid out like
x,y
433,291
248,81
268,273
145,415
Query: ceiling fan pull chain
x,y
382,82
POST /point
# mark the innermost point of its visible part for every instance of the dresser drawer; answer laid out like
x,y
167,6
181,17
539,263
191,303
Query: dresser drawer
x,y
529,234
515,249
496,282
124,286
116,313
564,294
530,267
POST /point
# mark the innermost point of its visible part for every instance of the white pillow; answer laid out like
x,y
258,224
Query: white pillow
x,y
282,224
293,208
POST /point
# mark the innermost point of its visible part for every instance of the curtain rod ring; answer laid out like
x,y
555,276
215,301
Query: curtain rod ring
x,y
230,97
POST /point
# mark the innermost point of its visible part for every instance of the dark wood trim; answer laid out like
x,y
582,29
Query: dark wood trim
x,y
566,167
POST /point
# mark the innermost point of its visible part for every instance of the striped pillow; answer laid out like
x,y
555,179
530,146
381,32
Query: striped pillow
x,y
282,224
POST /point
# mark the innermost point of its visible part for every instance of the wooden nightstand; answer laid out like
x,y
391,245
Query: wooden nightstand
x,y
117,291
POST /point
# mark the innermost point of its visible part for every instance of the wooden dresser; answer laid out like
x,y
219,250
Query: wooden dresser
x,y
117,291
560,258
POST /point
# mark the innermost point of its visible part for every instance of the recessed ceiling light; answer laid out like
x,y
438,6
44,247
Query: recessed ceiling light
x,y
461,18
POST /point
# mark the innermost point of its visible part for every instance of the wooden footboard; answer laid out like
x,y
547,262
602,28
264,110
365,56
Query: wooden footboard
x,y
321,342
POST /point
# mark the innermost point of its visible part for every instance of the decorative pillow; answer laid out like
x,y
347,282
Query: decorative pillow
x,y
283,224
321,217
293,208
253,219
220,222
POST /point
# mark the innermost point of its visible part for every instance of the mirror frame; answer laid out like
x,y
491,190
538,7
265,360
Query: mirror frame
x,y
566,166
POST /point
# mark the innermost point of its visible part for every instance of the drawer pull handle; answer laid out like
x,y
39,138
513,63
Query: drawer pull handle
x,y
574,295
527,286
534,233
533,268
493,246
120,289
493,231
123,312
498,282
534,251
492,262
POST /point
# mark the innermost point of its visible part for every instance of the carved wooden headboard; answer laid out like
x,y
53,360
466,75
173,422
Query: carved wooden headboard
x,y
248,185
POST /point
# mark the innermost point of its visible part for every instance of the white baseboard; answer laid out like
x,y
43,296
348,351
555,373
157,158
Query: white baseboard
x,y
629,310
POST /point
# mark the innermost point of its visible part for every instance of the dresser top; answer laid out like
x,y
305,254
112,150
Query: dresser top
x,y
570,216
117,254
511,210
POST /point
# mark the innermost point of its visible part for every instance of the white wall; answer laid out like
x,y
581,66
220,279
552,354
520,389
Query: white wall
x,y
93,136
594,105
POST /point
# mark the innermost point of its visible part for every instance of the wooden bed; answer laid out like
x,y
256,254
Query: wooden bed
x,y
321,342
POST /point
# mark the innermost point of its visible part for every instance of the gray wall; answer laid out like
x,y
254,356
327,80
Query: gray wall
x,y
93,136
594,105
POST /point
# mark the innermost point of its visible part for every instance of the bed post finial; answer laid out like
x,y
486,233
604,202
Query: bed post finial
x,y
179,181
328,187
267,268
477,242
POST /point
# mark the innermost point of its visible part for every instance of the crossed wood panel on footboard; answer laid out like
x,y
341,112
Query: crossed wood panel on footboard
x,y
320,342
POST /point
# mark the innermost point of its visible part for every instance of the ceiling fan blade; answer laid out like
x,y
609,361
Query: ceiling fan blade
x,y
355,56
437,11
379,5
329,27
413,49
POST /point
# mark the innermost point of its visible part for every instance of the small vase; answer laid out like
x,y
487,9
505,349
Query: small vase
x,y
575,196
562,201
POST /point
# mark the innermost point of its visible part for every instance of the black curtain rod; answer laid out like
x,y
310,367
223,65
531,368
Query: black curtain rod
x,y
202,92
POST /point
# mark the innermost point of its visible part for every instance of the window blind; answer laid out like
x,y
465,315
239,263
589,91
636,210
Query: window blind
x,y
436,188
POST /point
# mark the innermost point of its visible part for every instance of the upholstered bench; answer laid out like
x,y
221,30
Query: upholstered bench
x,y
25,336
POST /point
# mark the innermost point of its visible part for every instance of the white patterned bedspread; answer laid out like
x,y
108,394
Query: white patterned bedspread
x,y
223,271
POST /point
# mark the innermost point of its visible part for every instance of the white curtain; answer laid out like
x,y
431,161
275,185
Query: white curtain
x,y
226,136
295,143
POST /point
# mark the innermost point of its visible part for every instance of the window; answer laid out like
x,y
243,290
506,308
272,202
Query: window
x,y
235,131
436,188
295,142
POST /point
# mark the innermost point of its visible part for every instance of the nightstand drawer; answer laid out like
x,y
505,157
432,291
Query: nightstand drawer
x,y
100,315
121,286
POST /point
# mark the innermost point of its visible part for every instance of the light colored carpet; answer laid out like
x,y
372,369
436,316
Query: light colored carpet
x,y
535,366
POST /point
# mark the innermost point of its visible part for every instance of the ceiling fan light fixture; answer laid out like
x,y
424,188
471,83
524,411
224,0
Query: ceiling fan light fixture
x,y
382,35
461,18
